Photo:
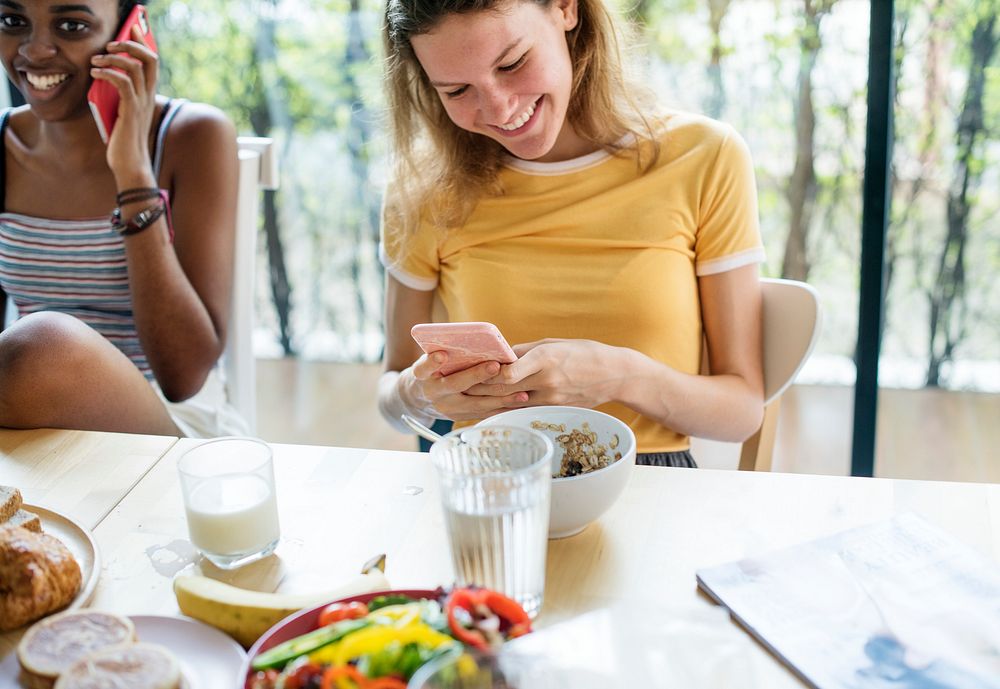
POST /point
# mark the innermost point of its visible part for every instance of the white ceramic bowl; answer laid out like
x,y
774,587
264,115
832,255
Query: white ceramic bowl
x,y
578,500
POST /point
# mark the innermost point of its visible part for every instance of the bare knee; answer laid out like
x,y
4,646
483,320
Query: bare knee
x,y
47,337
41,353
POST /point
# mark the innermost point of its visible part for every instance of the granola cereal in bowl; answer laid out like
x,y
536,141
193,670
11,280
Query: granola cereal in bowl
x,y
593,459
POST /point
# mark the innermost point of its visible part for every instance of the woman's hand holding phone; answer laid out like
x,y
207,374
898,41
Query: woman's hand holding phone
x,y
579,373
423,387
457,357
130,67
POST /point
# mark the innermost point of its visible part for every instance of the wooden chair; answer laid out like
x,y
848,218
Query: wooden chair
x,y
258,170
791,323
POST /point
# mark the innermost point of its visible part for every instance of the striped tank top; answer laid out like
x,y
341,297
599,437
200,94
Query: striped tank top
x,y
76,267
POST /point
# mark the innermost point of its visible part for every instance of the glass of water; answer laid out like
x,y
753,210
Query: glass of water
x,y
229,500
495,485
474,670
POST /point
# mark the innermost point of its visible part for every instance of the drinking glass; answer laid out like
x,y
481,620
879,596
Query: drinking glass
x,y
475,670
495,490
229,499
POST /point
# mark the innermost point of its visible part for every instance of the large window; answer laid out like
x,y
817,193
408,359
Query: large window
x,y
789,74
306,74
943,251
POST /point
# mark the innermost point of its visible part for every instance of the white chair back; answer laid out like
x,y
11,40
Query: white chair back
x,y
258,170
791,324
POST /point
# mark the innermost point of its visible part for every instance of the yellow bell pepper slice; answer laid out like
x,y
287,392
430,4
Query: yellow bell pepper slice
x,y
396,616
374,639
325,654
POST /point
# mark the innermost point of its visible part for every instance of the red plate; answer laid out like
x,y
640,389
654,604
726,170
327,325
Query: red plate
x,y
305,621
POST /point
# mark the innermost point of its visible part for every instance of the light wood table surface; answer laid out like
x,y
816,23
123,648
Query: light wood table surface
x,y
340,506
82,474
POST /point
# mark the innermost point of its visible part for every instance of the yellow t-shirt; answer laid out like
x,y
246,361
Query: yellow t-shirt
x,y
594,248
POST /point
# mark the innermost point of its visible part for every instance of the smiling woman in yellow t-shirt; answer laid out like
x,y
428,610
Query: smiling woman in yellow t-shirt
x,y
532,192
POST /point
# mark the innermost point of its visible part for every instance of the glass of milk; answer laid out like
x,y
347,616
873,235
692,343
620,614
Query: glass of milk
x,y
229,499
495,487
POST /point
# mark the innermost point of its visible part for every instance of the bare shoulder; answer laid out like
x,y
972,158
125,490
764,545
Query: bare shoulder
x,y
22,122
199,129
19,113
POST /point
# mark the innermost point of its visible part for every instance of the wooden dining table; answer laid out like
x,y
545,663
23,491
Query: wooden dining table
x,y
340,506
82,473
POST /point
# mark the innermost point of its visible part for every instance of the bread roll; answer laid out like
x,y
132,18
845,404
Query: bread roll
x,y
10,502
26,520
38,575
55,643
129,666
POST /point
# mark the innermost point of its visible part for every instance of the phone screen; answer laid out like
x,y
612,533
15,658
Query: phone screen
x,y
103,97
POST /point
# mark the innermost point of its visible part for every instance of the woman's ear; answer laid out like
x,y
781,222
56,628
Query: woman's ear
x,y
567,10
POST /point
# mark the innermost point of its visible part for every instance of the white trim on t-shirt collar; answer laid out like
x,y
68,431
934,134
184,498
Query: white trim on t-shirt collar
x,y
562,167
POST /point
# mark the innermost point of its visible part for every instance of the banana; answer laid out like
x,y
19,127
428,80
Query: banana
x,y
246,615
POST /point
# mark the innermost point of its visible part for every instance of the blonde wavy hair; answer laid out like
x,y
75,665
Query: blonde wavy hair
x,y
441,170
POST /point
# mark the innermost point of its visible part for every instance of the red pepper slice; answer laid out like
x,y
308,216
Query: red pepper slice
x,y
464,599
507,609
468,599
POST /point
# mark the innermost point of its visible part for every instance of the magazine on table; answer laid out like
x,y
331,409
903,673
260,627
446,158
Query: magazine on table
x,y
895,604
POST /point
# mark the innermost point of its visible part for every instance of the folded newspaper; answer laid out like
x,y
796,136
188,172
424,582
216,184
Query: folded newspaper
x,y
895,604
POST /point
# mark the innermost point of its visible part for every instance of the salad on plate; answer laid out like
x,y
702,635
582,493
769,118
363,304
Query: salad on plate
x,y
379,643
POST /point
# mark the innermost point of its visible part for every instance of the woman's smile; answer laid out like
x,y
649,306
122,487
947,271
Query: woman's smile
x,y
44,85
522,122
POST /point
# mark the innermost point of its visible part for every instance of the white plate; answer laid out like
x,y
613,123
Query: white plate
x,y
208,658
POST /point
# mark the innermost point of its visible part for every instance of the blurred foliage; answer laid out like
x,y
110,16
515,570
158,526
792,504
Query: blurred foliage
x,y
292,59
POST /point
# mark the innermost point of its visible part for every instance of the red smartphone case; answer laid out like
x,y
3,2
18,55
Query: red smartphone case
x,y
467,344
103,97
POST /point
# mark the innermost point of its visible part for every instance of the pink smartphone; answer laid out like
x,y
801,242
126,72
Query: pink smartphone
x,y
467,344
102,96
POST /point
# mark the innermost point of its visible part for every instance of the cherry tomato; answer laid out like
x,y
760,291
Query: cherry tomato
x,y
335,612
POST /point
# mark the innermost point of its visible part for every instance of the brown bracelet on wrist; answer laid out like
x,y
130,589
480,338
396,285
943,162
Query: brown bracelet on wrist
x,y
138,222
137,194
144,218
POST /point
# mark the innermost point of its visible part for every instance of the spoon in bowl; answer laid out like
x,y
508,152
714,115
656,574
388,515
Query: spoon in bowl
x,y
484,458
420,429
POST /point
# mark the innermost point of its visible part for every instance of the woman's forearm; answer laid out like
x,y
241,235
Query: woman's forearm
x,y
720,407
178,335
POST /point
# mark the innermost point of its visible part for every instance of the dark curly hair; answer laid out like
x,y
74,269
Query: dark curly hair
x,y
125,6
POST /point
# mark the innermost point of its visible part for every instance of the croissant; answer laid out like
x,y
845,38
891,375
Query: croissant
x,y
38,575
